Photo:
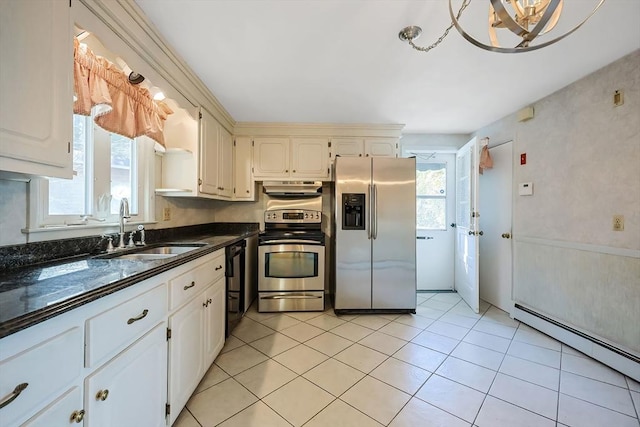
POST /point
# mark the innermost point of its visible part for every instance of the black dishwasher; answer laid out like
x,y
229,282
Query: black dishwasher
x,y
235,256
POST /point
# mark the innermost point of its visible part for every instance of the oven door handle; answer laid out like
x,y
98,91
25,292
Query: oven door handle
x,y
290,242
294,296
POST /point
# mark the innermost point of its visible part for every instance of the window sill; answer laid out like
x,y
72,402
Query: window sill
x,y
71,231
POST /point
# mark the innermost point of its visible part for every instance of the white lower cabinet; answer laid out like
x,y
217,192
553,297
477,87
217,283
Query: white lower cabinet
x,y
214,321
186,355
197,336
130,390
64,411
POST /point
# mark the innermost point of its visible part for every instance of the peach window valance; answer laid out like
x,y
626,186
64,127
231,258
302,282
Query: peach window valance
x,y
119,106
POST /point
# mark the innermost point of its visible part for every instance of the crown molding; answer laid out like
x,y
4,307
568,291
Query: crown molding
x,y
318,129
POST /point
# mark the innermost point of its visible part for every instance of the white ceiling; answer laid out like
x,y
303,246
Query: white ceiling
x,y
340,61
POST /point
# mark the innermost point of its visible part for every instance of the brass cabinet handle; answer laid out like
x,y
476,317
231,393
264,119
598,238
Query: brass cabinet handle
x,y
481,233
294,171
13,395
102,395
77,416
135,319
506,235
209,301
193,283
206,303
471,233
219,268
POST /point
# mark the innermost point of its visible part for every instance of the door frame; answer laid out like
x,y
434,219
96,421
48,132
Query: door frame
x,y
429,156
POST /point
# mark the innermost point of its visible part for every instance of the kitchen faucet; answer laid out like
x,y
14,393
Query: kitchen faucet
x,y
124,214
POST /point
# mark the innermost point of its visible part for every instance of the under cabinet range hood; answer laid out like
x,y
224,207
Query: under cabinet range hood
x,y
293,188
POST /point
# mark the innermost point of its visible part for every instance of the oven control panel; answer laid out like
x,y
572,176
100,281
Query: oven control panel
x,y
293,216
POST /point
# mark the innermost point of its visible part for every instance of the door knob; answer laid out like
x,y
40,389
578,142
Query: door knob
x,y
506,235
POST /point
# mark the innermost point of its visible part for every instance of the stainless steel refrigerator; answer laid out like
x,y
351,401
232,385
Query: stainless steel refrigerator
x,y
375,243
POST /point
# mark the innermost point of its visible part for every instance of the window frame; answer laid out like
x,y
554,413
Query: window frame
x,y
65,226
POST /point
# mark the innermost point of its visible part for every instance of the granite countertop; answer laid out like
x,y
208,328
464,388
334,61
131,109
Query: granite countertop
x,y
33,294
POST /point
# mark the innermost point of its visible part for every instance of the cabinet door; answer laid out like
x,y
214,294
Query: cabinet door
x,y
131,389
244,185
271,157
37,87
186,362
310,158
64,411
214,321
347,147
209,153
381,147
225,165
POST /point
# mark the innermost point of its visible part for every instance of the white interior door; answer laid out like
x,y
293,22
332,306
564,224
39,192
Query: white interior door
x,y
467,225
436,206
496,193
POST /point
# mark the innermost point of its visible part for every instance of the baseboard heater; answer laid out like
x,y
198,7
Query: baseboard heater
x,y
618,359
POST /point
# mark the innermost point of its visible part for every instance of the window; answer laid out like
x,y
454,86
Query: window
x,y
98,186
431,196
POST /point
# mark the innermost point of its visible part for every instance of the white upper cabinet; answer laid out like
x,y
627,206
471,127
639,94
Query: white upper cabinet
x,y
310,158
270,157
209,153
199,157
295,158
381,147
36,101
225,165
243,183
347,147
364,147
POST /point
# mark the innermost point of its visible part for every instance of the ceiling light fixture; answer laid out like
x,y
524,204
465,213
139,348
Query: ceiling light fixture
x,y
527,19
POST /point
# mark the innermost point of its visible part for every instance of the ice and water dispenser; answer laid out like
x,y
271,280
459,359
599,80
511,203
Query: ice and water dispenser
x,y
353,211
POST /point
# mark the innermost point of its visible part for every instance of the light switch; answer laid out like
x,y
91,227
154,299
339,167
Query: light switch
x,y
525,189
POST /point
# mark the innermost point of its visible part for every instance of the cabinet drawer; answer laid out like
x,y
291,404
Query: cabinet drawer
x,y
47,369
194,281
114,329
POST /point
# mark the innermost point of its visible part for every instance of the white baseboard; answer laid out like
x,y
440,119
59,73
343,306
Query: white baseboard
x,y
618,359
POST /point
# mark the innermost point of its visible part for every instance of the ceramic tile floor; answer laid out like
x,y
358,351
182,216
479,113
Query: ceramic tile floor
x,y
445,366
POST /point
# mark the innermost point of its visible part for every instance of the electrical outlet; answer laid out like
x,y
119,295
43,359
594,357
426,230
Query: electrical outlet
x,y
166,214
618,222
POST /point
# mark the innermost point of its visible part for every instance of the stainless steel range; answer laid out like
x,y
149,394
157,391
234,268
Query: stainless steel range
x,y
291,259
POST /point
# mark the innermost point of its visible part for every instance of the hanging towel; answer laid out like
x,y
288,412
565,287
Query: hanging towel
x,y
486,162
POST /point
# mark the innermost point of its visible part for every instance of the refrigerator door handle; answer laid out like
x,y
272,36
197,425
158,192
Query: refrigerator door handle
x,y
370,211
374,231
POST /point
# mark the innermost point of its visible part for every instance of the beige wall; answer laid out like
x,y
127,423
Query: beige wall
x,y
583,158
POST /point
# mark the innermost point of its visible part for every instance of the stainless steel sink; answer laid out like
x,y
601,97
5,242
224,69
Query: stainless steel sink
x,y
143,257
169,250
153,253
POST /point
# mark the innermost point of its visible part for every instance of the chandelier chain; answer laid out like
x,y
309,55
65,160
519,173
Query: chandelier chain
x,y
465,3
